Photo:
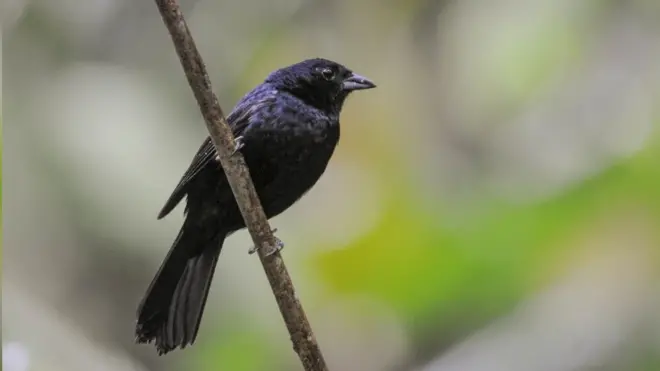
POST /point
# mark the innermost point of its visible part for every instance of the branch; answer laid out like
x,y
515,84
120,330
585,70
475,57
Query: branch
x,y
304,342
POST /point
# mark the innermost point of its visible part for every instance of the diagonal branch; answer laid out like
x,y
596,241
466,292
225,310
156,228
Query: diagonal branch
x,y
304,342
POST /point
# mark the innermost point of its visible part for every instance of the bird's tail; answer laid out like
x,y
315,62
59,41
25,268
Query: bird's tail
x,y
171,310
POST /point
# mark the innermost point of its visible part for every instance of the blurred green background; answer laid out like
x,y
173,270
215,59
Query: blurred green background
x,y
493,205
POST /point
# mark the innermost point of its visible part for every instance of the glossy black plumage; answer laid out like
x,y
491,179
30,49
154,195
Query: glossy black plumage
x,y
289,127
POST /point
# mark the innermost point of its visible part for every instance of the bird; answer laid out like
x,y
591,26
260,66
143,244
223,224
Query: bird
x,y
287,129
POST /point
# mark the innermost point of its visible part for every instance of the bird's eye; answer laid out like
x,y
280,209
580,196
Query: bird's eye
x,y
328,74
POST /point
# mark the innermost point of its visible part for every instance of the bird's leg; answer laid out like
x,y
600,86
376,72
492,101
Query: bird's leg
x,y
238,143
279,245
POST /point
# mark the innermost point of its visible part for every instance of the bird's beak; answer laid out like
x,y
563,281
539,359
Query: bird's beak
x,y
357,82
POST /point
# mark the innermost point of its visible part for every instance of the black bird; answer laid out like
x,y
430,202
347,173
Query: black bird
x,y
287,129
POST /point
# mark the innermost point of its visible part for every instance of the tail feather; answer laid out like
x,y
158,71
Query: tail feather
x,y
172,308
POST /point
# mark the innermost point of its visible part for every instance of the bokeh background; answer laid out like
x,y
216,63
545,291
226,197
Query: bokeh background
x,y
493,205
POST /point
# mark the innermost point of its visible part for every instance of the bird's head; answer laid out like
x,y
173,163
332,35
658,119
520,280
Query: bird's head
x,y
319,82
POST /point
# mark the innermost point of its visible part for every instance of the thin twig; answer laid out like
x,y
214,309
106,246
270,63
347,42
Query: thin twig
x,y
304,341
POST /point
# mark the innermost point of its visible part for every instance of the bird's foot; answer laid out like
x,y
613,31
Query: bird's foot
x,y
279,245
238,144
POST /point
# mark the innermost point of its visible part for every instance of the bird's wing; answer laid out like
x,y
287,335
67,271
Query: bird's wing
x,y
239,120
205,154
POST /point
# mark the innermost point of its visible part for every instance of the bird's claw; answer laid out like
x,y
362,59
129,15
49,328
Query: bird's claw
x,y
238,144
279,245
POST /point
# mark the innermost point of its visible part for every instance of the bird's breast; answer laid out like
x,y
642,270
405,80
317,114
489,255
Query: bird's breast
x,y
285,165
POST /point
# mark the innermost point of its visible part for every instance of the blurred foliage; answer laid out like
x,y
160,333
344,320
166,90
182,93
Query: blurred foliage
x,y
414,263
1,193
237,353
